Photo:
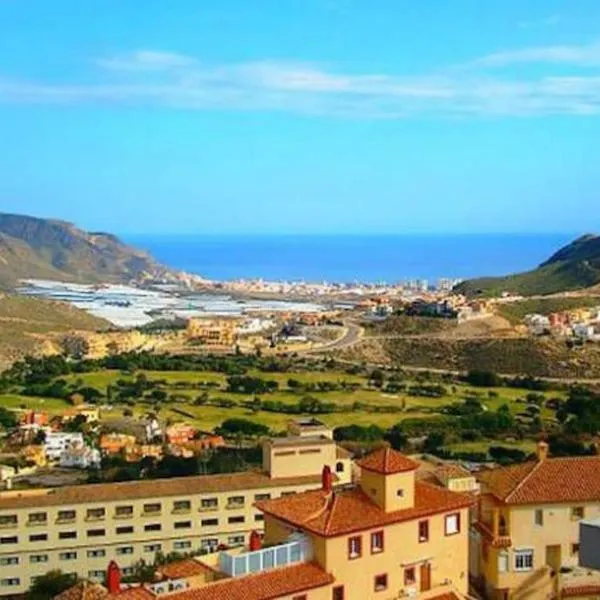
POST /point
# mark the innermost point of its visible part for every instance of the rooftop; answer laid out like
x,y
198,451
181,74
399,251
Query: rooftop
x,y
267,585
84,590
451,471
572,479
387,462
181,569
350,510
132,490
301,440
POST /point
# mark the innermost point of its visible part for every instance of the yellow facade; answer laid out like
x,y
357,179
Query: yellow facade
x,y
215,332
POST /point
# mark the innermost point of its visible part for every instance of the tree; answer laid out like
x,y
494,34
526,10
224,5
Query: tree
x,y
230,427
7,418
51,584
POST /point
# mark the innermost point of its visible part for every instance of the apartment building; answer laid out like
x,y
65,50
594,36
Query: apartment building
x,y
213,332
57,442
389,537
79,529
525,541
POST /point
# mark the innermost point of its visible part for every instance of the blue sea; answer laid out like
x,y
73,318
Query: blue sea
x,y
351,258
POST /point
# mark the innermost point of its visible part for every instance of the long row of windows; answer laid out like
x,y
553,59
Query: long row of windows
x,y
127,529
40,518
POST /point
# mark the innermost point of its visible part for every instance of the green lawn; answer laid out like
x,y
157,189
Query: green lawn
x,y
51,405
484,445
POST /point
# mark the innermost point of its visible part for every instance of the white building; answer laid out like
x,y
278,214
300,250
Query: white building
x,y
57,442
80,456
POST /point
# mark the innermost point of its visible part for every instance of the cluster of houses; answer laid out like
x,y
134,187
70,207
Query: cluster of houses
x,y
580,323
49,441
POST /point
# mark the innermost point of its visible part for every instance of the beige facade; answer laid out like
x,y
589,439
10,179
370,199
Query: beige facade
x,y
213,332
79,529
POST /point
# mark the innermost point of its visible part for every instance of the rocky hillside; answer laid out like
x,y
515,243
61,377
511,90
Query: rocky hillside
x,y
576,266
51,249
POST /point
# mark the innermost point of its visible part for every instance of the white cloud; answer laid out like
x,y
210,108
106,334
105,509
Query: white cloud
x,y
164,79
578,56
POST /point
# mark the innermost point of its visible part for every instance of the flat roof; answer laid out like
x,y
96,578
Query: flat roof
x,y
151,489
302,440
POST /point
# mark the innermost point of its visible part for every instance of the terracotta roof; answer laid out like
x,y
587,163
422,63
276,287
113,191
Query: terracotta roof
x,y
351,510
267,585
135,592
84,590
451,471
573,479
446,596
182,568
131,490
387,461
580,591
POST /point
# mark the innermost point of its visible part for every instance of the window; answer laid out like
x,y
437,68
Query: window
x,y
354,547
235,501
539,517
452,524
38,537
259,497
183,525
124,550
128,571
99,553
410,577
302,597
96,575
339,467
376,542
523,560
12,539
209,544
95,514
400,493
66,515
67,556
124,512
574,549
152,509
183,545
423,531
10,581
209,522
381,582
9,560
337,593
37,518
38,558
236,520
502,562
209,504
124,530
181,506
236,540
67,535
153,527
8,520
153,548
577,513
287,494
96,532
259,518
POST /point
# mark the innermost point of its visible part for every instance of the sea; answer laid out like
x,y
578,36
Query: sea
x,y
351,258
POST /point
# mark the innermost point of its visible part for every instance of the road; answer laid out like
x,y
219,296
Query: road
x,y
352,334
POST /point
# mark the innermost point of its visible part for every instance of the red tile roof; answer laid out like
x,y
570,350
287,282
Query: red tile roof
x,y
135,592
446,596
182,568
387,461
84,590
267,585
351,510
580,591
573,479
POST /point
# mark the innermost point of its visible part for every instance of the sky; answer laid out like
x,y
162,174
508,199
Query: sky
x,y
302,116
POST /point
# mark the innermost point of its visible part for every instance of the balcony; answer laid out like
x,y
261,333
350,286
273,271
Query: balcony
x,y
204,509
95,518
235,505
65,521
9,525
236,564
37,523
498,536
124,516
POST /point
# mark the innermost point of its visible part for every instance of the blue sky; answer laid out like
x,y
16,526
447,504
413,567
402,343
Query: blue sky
x,y
255,116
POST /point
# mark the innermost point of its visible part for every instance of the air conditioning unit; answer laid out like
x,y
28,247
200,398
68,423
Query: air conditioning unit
x,y
160,588
410,592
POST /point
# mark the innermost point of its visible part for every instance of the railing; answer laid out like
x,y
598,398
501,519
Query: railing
x,y
266,558
501,540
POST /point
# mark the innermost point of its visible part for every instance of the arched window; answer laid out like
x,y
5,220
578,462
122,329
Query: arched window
x,y
339,467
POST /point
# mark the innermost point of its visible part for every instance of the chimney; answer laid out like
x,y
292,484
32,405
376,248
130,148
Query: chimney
x,y
542,451
327,479
113,578
255,543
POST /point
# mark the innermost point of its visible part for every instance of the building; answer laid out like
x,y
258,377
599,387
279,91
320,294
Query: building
x,y
80,456
35,418
309,427
388,537
91,413
56,442
527,529
180,433
114,443
212,332
81,528
456,478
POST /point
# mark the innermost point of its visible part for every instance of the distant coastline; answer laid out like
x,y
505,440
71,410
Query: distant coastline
x,y
350,258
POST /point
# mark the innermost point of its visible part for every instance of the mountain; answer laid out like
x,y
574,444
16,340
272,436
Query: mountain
x,y
573,267
50,249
